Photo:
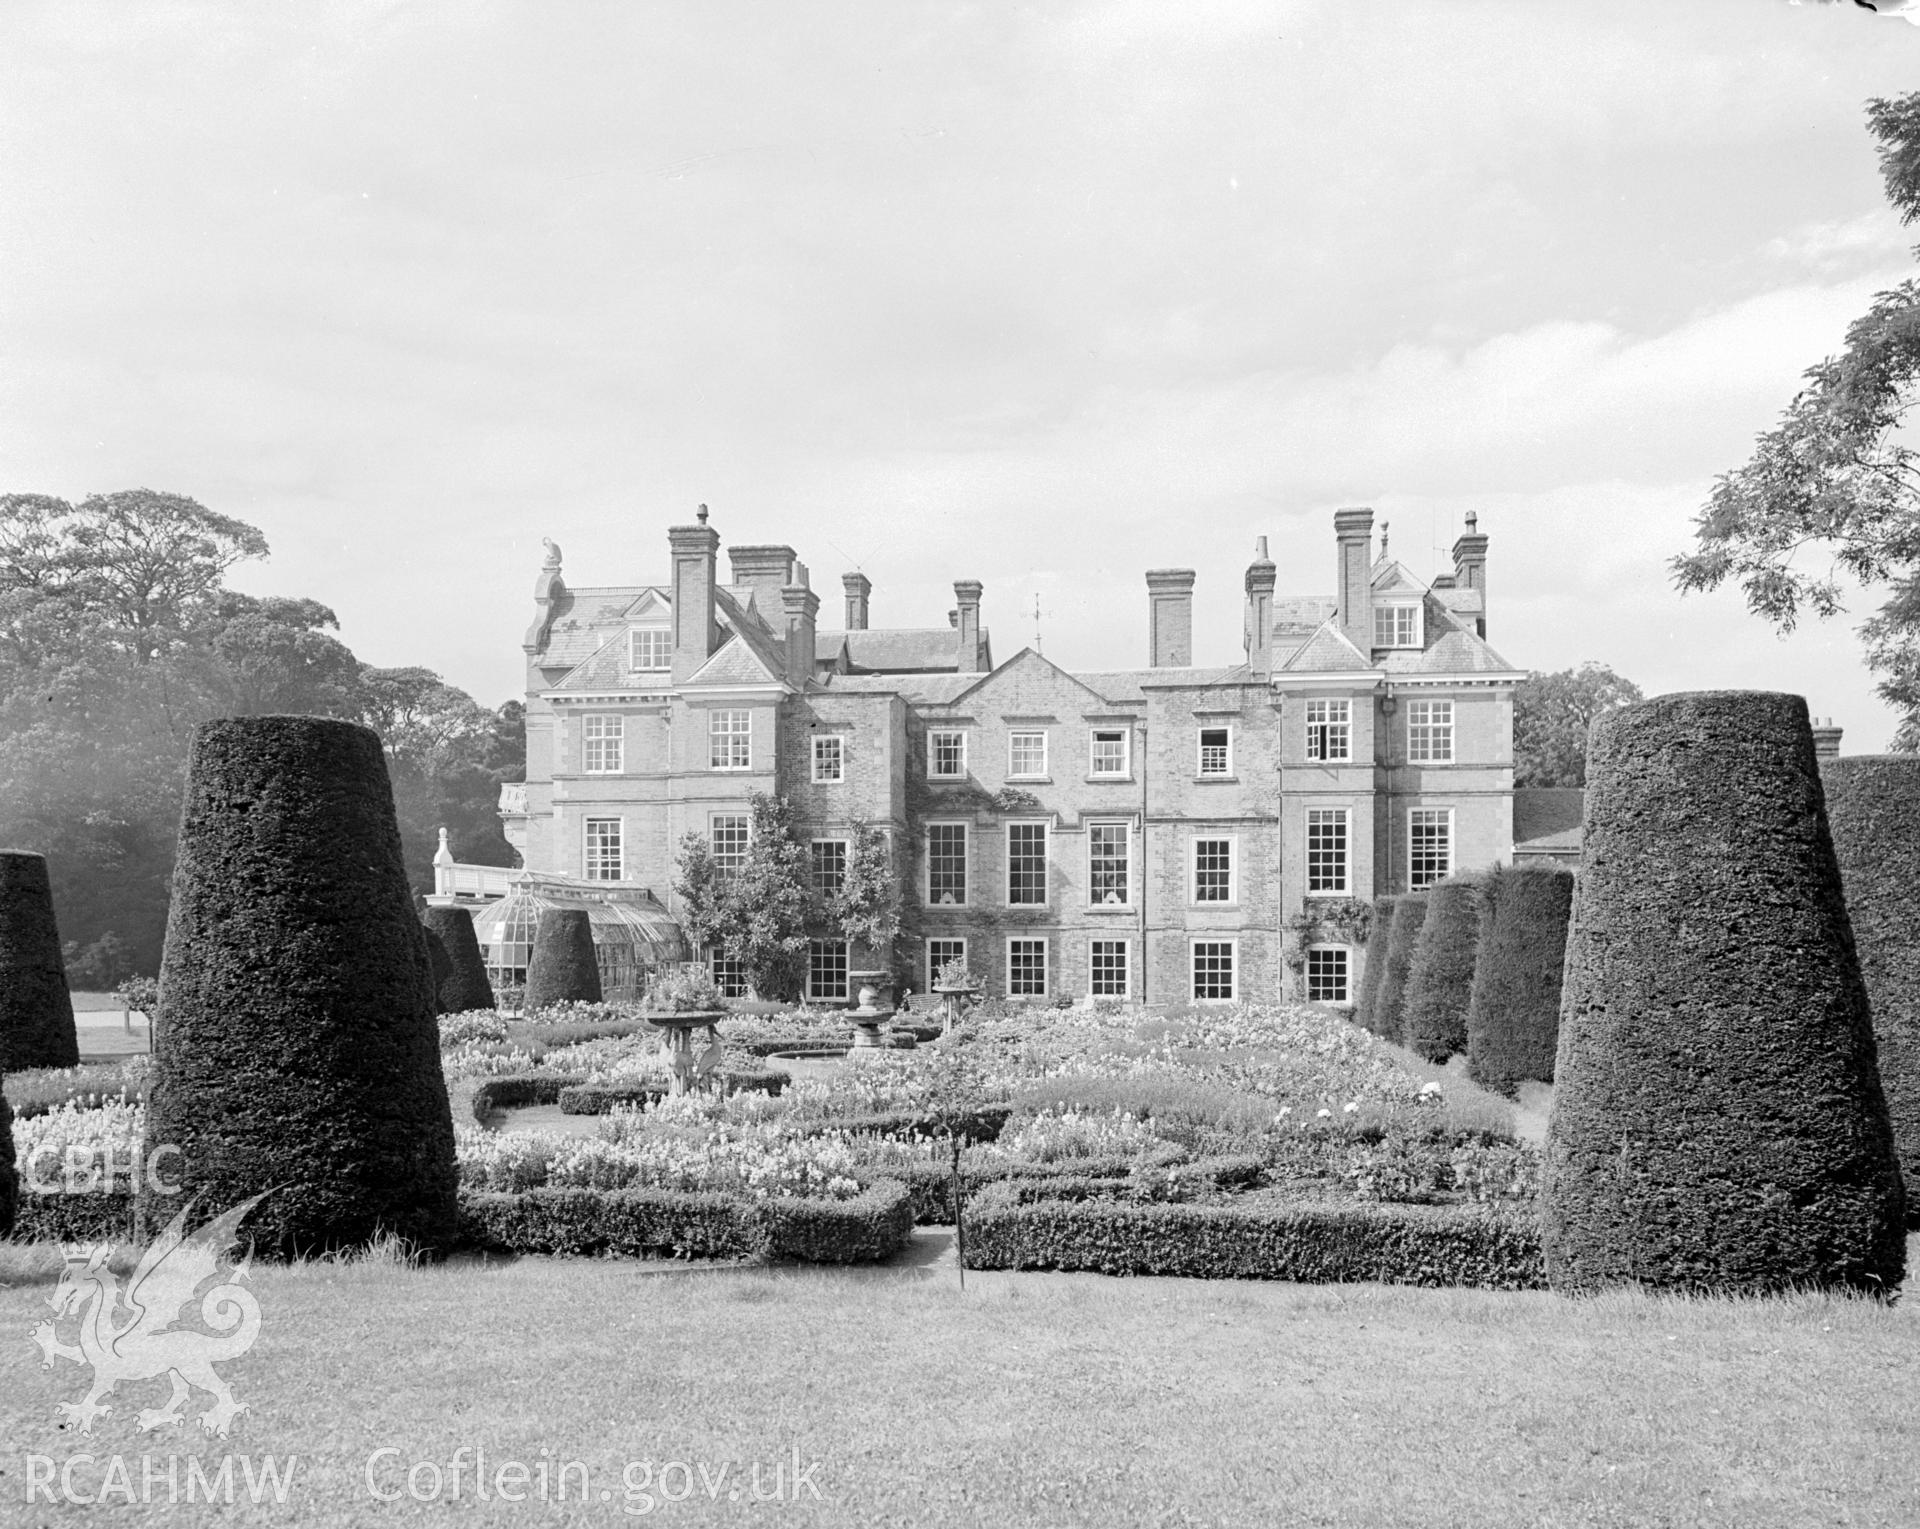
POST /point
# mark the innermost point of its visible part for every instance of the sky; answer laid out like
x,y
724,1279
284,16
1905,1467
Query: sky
x,y
1040,295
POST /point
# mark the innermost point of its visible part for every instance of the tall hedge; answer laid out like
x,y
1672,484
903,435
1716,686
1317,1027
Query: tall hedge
x,y
9,1176
1718,1121
439,965
36,1011
296,1049
562,968
1513,1015
1433,1009
465,985
1873,805
1378,928
1403,934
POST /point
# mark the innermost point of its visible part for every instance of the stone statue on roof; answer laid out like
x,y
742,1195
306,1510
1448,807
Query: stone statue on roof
x,y
553,553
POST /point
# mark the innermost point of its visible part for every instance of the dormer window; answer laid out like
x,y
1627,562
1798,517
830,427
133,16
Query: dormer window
x,y
650,649
1397,625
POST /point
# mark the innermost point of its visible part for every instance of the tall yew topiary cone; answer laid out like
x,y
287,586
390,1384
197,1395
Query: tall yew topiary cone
x,y
1433,1010
1718,1122
1513,1016
296,1049
1378,927
439,965
562,968
1873,806
36,1011
9,1176
465,985
1409,913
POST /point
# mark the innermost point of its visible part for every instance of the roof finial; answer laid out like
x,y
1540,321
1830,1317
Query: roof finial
x,y
1383,538
701,514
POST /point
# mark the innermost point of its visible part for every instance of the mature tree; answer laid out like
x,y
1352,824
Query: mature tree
x,y
758,913
1551,714
1831,492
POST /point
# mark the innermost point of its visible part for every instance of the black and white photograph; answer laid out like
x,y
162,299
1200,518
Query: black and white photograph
x,y
928,763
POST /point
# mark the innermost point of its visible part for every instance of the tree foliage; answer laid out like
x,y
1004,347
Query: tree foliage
x,y
118,636
866,908
1831,493
756,914
1551,714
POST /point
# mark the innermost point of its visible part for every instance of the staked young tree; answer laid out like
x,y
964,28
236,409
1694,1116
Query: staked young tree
x,y
1833,490
1718,1121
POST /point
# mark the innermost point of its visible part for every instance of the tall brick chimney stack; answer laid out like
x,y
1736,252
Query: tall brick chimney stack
x,y
1826,739
858,586
966,593
1353,533
1470,565
1260,581
802,608
1170,617
696,552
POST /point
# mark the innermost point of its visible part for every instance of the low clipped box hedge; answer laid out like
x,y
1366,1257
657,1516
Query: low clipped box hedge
x,y
1312,1242
1513,1015
603,1098
101,1215
975,1126
1433,1010
519,1091
931,1183
659,1223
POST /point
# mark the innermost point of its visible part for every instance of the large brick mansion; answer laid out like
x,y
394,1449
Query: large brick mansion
x,y
1151,833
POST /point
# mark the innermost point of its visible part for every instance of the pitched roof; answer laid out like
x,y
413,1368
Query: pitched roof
x,y
1462,602
580,618
604,669
1548,817
1328,651
736,663
771,651
1392,578
1026,658
1302,614
924,689
897,650
1450,652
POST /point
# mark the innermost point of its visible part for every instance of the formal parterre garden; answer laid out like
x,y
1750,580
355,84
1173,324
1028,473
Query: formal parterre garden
x,y
1274,1141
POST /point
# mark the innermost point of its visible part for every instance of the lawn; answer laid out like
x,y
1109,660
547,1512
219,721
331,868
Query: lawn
x,y
1024,1400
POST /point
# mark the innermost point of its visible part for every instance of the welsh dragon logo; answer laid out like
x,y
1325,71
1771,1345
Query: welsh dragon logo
x,y
131,1334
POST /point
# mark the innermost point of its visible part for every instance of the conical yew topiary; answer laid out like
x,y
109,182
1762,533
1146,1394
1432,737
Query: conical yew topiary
x,y
1403,934
1367,1002
562,968
439,967
36,1011
296,1050
9,1175
1433,1011
1718,1122
1873,806
465,985
1513,1016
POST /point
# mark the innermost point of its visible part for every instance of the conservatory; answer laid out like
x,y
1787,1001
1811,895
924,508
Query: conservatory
x,y
633,935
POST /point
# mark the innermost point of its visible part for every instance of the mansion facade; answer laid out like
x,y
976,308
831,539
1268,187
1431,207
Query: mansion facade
x,y
1161,834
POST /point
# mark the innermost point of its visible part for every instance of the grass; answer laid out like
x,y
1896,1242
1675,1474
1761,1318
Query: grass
x,y
1036,1399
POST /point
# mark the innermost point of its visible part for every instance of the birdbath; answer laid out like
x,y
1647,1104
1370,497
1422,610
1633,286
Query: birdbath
x,y
956,995
872,1011
690,1062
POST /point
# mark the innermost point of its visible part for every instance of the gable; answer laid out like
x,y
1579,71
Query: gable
x,y
736,663
1327,651
1027,677
1393,579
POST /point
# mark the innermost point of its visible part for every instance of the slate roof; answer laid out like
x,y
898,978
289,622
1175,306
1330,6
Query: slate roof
x,y
1547,818
898,650
1448,651
579,618
1327,651
1302,614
